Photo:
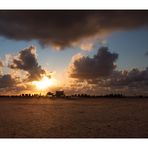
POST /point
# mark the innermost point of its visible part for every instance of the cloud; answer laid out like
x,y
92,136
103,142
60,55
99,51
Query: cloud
x,y
26,60
130,82
14,85
146,53
86,46
133,78
63,28
24,69
98,75
1,64
6,81
101,65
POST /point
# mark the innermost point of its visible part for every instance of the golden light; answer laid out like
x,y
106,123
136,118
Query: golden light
x,y
45,82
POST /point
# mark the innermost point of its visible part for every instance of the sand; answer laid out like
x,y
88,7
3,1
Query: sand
x,y
85,118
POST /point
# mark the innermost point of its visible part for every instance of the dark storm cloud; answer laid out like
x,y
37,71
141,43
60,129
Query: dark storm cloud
x,y
101,65
27,60
62,28
6,81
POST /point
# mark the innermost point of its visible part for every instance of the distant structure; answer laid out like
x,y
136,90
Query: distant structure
x,y
60,94
50,94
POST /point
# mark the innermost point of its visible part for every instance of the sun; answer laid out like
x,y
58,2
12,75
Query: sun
x,y
44,83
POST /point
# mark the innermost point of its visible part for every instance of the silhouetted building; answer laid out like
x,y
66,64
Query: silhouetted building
x,y
50,94
59,94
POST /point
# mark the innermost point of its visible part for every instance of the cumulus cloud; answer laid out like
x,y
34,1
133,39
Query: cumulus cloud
x,y
98,75
7,81
24,68
130,82
63,28
134,81
133,78
26,60
101,65
14,85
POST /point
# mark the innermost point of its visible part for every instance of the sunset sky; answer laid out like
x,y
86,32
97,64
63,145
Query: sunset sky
x,y
96,52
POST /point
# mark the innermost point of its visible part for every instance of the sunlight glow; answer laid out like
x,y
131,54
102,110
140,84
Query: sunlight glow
x,y
45,82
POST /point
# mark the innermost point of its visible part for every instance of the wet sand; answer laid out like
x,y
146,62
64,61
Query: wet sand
x,y
85,118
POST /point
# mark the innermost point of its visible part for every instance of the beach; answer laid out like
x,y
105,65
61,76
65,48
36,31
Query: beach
x,y
80,118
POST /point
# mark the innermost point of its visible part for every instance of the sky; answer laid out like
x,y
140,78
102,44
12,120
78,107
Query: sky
x,y
96,52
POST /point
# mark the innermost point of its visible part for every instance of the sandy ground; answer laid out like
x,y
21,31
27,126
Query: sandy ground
x,y
90,118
